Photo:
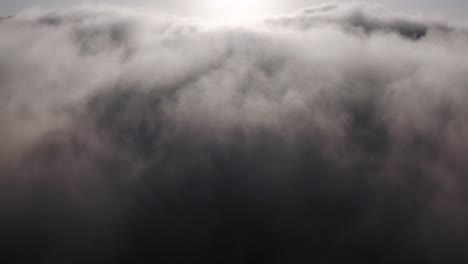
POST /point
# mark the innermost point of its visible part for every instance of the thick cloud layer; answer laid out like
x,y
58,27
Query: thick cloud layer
x,y
334,134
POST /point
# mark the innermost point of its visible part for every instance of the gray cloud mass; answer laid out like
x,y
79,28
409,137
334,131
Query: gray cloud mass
x,y
335,133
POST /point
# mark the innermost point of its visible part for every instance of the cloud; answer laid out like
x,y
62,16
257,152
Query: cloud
x,y
334,133
363,17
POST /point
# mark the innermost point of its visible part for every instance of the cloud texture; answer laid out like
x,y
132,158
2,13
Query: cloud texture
x,y
333,134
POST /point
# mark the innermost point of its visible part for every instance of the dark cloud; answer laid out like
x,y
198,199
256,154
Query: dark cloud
x,y
5,18
334,134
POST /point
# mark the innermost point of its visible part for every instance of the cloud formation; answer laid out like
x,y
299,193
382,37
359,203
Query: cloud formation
x,y
335,133
363,17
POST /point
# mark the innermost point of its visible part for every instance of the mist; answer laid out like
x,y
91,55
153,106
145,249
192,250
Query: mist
x,y
335,133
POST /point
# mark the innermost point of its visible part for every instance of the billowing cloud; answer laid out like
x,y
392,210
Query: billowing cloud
x,y
363,17
336,133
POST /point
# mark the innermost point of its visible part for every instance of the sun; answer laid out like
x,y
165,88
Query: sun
x,y
237,8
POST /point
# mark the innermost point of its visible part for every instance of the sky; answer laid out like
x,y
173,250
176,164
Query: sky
x,y
448,8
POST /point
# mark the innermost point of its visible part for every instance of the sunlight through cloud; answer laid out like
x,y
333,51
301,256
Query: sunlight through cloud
x,y
234,9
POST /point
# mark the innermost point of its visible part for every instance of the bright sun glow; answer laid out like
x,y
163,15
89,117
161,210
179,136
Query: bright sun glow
x,y
237,8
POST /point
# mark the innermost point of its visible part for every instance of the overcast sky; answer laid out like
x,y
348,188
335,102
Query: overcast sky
x,y
448,8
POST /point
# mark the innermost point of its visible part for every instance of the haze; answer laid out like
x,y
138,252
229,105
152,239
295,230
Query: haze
x,y
447,8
